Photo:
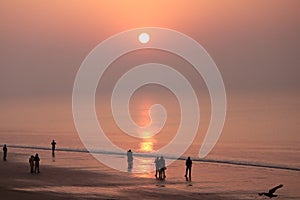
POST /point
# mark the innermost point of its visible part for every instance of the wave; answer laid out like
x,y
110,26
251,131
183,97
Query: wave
x,y
152,155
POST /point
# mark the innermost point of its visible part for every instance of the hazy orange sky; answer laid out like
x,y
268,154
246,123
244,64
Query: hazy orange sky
x,y
255,45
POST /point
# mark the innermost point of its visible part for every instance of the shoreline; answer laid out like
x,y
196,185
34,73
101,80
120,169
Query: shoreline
x,y
213,161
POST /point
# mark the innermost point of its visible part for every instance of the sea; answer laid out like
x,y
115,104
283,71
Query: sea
x,y
257,150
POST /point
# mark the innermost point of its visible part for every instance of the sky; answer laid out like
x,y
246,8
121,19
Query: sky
x,y
255,45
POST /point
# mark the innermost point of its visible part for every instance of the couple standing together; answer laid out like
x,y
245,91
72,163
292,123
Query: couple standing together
x,y
34,162
160,165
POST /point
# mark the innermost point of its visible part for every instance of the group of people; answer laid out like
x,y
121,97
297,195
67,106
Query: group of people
x,y
34,161
160,165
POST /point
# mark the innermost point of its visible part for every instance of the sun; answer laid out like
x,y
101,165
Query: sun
x,y
144,38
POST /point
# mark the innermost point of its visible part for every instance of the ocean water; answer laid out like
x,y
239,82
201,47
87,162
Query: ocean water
x,y
258,149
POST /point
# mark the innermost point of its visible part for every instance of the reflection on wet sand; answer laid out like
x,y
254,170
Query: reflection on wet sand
x,y
143,165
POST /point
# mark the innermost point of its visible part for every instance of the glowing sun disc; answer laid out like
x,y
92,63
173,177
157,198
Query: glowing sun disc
x,y
144,38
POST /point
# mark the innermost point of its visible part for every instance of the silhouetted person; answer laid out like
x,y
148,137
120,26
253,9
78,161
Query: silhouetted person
x,y
162,168
156,161
271,192
36,163
129,159
4,152
53,143
31,163
188,169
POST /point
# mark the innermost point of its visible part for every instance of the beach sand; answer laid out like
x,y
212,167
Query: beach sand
x,y
56,182
75,175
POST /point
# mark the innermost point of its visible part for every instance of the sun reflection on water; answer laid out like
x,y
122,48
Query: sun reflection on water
x,y
143,165
146,146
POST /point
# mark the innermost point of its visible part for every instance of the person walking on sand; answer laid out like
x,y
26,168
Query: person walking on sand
x,y
31,163
53,143
156,161
4,152
188,169
36,163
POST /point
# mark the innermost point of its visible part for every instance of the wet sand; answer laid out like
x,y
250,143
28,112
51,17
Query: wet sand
x,y
72,183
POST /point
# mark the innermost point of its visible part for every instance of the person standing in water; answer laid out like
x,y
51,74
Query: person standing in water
x,y
53,143
4,152
37,163
31,163
129,159
188,169
156,161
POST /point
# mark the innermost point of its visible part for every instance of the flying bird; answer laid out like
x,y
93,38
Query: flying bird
x,y
271,192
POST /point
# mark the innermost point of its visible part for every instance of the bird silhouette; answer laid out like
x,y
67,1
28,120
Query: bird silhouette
x,y
271,192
